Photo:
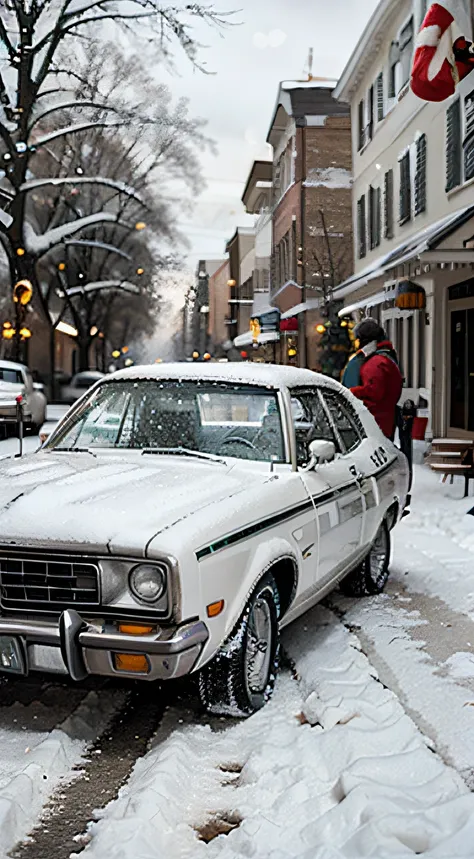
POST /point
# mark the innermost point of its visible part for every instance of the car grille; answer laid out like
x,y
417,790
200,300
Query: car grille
x,y
29,581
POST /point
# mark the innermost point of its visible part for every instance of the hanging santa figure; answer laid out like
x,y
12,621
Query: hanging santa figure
x,y
444,51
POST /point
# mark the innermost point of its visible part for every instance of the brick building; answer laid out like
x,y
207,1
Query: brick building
x,y
219,294
241,251
310,134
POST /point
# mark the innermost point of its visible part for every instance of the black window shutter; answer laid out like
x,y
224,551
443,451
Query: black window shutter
x,y
378,209
380,98
360,129
361,228
453,146
405,189
469,139
374,216
371,217
420,176
388,205
370,126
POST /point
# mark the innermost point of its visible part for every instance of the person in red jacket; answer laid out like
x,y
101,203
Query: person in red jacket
x,y
380,380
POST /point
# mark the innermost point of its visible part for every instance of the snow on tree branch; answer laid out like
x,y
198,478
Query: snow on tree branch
x,y
39,245
73,129
94,243
121,187
123,285
69,105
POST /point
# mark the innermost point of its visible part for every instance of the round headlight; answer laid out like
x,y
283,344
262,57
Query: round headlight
x,y
148,582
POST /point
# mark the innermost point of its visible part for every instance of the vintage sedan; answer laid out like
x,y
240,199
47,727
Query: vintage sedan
x,y
180,516
16,383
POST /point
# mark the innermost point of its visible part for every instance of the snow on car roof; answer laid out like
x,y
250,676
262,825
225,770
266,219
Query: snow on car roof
x,y
267,375
12,365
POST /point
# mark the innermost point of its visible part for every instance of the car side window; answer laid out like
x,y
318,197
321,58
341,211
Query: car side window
x,y
311,423
345,420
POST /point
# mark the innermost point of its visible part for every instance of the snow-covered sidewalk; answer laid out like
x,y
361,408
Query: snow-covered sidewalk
x,y
332,767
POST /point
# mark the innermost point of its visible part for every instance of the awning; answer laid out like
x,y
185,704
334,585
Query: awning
x,y
311,304
247,339
412,248
261,304
371,301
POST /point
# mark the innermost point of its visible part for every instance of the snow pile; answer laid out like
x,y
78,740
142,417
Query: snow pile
x,y
360,783
37,764
329,177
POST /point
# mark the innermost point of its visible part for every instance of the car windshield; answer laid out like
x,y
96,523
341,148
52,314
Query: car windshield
x,y
206,418
13,377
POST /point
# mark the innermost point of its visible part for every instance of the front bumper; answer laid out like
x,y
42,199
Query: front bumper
x,y
81,648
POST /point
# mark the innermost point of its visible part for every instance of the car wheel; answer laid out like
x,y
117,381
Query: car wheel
x,y
241,677
372,575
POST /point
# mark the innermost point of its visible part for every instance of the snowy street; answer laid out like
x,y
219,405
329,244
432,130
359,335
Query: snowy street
x,y
366,749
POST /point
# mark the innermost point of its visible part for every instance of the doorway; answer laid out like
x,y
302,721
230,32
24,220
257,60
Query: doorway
x,y
462,370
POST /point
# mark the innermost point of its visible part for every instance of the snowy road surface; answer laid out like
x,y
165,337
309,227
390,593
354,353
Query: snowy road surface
x,y
366,750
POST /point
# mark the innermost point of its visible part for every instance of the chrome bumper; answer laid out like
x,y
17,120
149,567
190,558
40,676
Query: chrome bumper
x,y
86,649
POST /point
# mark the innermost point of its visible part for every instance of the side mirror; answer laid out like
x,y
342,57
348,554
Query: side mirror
x,y
320,451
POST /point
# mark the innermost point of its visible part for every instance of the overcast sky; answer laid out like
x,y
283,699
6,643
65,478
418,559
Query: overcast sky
x,y
248,62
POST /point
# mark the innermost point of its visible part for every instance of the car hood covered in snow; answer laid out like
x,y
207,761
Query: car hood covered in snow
x,y
108,502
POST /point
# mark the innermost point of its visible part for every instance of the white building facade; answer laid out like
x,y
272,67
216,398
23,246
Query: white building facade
x,y
413,213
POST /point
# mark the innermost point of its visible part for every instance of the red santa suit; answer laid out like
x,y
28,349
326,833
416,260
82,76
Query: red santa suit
x,y
444,53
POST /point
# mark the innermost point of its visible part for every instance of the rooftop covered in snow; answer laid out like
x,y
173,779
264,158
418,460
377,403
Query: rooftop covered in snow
x,y
265,375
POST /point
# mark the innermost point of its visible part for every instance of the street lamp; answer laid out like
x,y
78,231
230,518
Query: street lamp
x,y
23,292
22,295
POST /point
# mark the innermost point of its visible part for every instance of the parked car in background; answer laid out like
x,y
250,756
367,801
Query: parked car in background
x,y
17,381
79,384
180,515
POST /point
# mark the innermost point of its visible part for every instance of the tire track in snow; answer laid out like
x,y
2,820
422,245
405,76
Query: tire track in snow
x,y
107,766
354,778
43,733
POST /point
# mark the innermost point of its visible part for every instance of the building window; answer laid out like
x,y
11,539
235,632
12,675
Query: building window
x,y
361,126
361,228
406,50
393,61
453,146
405,189
388,205
400,59
375,200
380,97
420,176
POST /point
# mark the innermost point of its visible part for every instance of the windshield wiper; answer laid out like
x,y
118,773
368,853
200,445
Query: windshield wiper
x,y
183,451
74,450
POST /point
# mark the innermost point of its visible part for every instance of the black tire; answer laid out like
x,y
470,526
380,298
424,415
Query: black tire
x,y
371,577
230,685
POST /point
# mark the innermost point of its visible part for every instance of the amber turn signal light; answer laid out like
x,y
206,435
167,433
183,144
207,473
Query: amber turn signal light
x,y
134,629
215,608
132,663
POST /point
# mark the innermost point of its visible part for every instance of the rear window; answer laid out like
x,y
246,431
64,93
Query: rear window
x,y
14,377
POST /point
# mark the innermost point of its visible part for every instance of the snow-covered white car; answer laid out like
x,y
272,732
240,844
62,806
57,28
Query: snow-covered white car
x,y
16,381
180,515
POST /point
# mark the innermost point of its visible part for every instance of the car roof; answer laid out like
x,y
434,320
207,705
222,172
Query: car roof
x,y
265,375
12,365
92,374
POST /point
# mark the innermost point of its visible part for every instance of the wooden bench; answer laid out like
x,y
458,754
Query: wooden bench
x,y
453,458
